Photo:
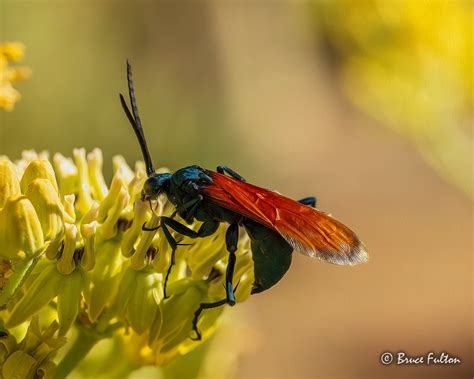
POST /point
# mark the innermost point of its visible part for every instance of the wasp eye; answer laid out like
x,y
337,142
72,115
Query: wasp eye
x,y
155,185
151,188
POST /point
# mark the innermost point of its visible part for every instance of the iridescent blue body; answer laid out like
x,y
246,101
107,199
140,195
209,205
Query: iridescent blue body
x,y
186,190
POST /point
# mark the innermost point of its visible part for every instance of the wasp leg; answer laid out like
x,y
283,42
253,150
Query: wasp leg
x,y
206,229
231,239
146,229
174,246
203,306
311,201
190,208
230,172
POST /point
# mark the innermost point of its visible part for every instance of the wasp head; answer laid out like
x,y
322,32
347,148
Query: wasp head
x,y
155,185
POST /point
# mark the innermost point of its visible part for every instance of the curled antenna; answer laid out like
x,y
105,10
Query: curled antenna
x,y
134,119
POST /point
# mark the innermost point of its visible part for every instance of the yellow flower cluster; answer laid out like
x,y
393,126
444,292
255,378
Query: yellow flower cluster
x,y
11,52
73,252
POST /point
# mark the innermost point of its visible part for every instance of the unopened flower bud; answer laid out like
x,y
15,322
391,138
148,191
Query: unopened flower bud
x,y
38,169
133,232
45,199
88,236
66,263
20,229
96,178
67,175
9,184
84,198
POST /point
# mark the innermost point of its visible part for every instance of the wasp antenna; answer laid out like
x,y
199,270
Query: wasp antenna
x,y
134,120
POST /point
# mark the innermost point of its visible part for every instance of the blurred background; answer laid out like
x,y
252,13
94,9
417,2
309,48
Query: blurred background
x,y
365,104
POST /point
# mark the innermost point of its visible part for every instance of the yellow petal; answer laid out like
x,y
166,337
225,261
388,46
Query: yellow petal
x,y
133,232
88,235
109,226
9,184
120,165
94,165
84,198
66,263
67,174
39,168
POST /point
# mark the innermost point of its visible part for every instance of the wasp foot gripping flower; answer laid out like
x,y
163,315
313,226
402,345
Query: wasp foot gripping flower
x,y
11,52
73,249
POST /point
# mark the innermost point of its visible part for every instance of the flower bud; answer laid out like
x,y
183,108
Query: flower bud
x,y
109,226
88,235
94,166
20,229
66,263
205,252
136,185
8,345
104,278
9,184
133,232
46,370
67,174
120,165
19,365
144,302
44,288
45,199
84,198
178,314
68,301
117,185
140,258
69,213
162,259
38,169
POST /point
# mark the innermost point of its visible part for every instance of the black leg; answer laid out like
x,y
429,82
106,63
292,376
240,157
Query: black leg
x,y
231,240
206,229
174,246
311,201
188,209
230,172
146,229
203,306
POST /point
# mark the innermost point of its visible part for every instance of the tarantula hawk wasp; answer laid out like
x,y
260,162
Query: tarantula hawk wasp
x,y
275,224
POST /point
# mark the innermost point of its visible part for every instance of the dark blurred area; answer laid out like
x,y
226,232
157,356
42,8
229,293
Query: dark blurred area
x,y
254,86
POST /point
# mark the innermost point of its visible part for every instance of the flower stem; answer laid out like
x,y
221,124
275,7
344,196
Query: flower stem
x,y
20,272
83,343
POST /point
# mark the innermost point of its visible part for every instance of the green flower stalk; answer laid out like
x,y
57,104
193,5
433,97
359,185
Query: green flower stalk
x,y
75,261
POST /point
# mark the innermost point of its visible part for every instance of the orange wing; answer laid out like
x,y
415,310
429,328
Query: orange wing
x,y
306,229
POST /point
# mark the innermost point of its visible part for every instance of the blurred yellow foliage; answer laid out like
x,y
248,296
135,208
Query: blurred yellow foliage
x,y
409,65
11,52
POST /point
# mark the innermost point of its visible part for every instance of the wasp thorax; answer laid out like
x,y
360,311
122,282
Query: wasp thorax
x,y
155,185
